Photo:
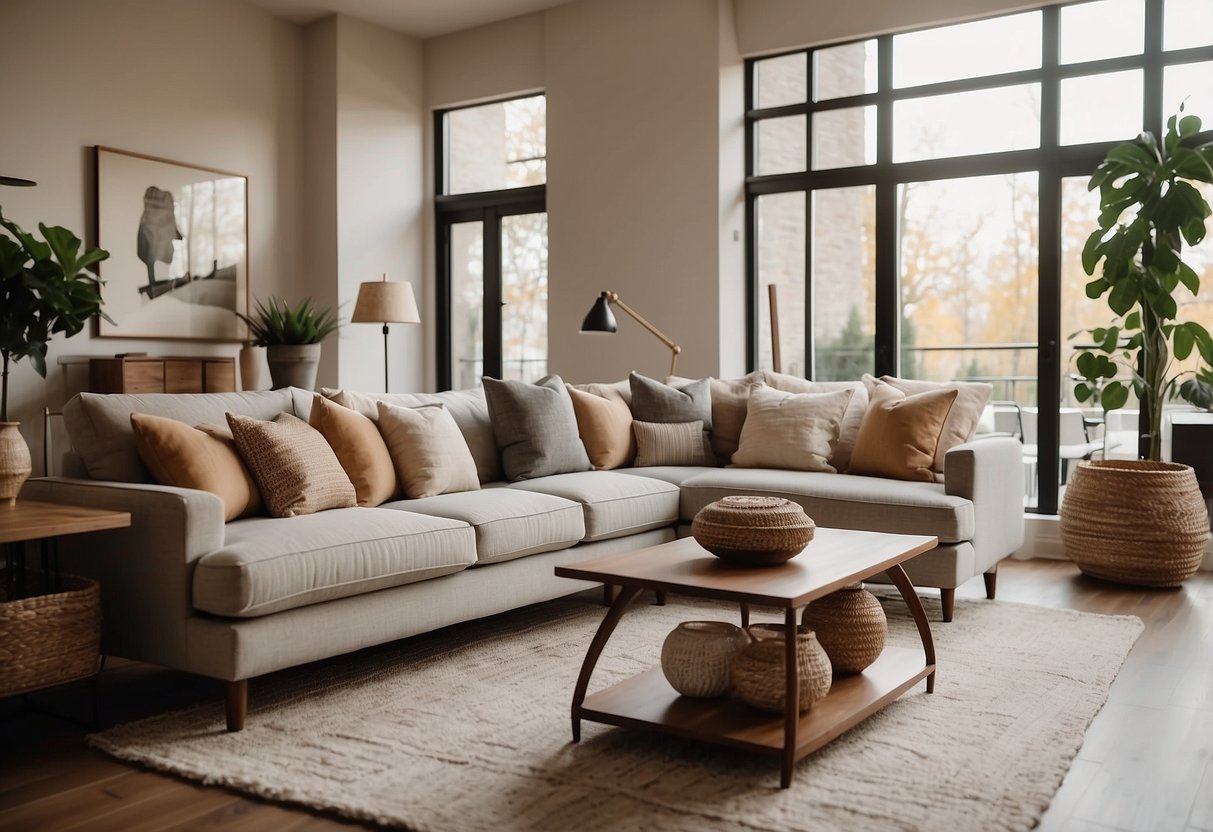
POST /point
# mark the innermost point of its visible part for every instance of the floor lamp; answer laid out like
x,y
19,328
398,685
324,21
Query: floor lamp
x,y
600,319
386,302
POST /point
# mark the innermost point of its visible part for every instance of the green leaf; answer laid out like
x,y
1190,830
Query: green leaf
x,y
1122,298
1189,126
1096,288
1133,320
1082,391
1189,278
1131,155
1114,396
1110,339
1092,251
1087,365
1183,341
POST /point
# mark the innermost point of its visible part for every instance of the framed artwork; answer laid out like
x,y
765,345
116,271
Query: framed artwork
x,y
177,235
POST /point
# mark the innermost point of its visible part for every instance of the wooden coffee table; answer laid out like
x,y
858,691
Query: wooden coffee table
x,y
834,559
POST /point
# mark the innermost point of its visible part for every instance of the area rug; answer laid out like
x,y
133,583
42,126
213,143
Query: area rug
x,y
468,729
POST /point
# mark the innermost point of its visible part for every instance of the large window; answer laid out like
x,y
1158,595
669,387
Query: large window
x,y
492,241
918,200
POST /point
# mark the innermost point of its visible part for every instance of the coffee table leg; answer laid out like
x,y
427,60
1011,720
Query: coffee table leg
x,y
902,581
745,615
791,700
626,595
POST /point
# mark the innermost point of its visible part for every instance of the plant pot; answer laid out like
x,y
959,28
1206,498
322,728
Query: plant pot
x,y
1135,522
293,365
697,657
254,372
758,670
15,466
850,626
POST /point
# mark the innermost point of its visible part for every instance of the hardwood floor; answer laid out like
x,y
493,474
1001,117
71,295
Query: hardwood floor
x,y
1147,763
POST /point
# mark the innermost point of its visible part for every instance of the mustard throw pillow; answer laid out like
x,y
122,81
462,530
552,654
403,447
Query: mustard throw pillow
x,y
360,450
961,425
900,433
604,422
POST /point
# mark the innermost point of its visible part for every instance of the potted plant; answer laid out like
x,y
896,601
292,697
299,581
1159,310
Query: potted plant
x,y
292,336
1143,521
44,290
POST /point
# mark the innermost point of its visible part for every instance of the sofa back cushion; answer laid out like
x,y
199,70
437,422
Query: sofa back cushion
x,y
100,424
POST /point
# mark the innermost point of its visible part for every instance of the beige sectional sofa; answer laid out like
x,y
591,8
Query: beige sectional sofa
x,y
236,600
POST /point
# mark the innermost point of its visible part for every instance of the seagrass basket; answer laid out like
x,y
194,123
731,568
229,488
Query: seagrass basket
x,y
1135,522
759,669
851,627
50,638
753,531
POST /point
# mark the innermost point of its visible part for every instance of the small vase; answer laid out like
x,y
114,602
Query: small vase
x,y
15,466
697,657
293,365
758,671
851,627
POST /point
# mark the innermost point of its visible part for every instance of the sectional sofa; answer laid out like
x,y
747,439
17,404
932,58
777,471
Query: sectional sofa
x,y
234,600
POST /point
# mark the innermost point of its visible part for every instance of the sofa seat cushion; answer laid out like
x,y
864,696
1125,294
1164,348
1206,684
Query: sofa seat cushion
x,y
268,565
676,474
843,501
509,523
615,504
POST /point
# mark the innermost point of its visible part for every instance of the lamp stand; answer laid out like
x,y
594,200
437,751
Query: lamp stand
x,y
385,385
613,299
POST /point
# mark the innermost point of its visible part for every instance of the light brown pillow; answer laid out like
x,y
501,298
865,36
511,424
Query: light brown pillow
x,y
605,425
730,398
623,388
796,431
961,425
295,469
360,450
429,452
900,433
851,420
672,443
186,457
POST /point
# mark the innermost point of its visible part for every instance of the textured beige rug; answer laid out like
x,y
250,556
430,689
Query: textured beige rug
x,y
469,730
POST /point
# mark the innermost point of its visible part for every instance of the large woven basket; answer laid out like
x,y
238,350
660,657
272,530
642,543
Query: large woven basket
x,y
753,531
1135,522
49,639
850,626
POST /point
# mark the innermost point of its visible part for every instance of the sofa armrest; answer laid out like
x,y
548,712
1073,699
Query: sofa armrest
x,y
989,472
146,570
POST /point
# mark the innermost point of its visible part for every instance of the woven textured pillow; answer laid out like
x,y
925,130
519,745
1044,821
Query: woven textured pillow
x,y
730,400
295,469
671,443
963,418
187,457
428,450
796,431
851,420
535,428
359,448
900,433
605,425
653,401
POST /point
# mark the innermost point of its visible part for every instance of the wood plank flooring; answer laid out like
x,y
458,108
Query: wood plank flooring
x,y
1147,763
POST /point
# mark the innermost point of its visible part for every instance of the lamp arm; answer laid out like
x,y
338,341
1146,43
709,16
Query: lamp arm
x,y
613,298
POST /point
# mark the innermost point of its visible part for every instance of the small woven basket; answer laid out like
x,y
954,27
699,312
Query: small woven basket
x,y
758,671
697,657
49,639
1135,521
851,627
753,531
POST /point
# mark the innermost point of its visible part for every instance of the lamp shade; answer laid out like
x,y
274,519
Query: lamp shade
x,y
600,317
385,301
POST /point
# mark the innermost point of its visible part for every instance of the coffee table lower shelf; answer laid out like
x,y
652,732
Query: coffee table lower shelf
x,y
647,702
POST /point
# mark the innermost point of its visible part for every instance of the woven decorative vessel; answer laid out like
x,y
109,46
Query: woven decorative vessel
x,y
1135,522
697,657
758,671
753,531
14,461
850,626
49,639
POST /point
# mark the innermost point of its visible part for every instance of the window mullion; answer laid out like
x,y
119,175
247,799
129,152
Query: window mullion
x,y
888,302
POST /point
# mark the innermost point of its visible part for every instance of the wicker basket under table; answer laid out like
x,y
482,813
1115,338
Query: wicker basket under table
x,y
51,638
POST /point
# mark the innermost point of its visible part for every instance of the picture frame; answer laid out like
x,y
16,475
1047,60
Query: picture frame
x,y
177,235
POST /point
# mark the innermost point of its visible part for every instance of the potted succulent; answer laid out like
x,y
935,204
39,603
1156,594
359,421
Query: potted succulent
x,y
44,290
1143,521
292,336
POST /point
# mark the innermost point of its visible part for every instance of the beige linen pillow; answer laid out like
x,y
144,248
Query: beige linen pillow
x,y
605,389
605,425
962,422
295,469
900,433
851,420
186,457
671,443
796,431
730,398
428,450
359,448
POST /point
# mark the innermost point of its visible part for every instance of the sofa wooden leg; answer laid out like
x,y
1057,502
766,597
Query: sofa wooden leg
x,y
237,704
948,599
991,579
661,597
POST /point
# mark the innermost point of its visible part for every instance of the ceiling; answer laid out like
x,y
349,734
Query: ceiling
x,y
420,18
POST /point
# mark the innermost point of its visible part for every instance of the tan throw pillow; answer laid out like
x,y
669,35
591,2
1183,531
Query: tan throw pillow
x,y
429,452
851,420
796,431
730,398
360,450
900,433
605,389
605,425
962,422
187,457
671,443
295,469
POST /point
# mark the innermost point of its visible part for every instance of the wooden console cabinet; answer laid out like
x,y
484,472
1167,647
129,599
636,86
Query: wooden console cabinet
x,y
162,374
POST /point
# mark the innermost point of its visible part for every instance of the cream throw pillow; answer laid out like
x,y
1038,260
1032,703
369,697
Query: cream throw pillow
x,y
672,443
359,448
851,420
796,431
730,398
900,433
961,426
604,422
428,450
295,469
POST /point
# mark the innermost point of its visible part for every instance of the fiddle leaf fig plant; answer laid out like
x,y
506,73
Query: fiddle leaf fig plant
x,y
45,289
1149,209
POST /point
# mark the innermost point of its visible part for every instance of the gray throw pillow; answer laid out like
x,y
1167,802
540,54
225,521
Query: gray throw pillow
x,y
653,401
535,428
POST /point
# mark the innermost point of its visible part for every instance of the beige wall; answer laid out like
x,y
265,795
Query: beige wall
x,y
492,61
